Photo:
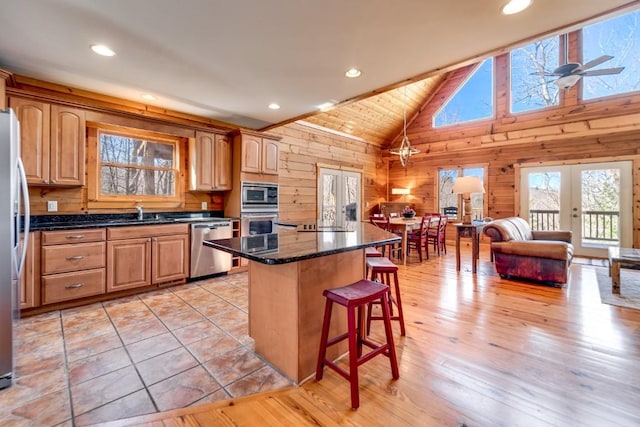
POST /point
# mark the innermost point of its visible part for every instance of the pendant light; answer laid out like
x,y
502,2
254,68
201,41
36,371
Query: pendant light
x,y
405,150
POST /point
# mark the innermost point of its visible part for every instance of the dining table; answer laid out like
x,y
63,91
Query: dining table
x,y
405,225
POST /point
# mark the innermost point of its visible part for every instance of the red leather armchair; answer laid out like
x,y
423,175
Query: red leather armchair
x,y
529,254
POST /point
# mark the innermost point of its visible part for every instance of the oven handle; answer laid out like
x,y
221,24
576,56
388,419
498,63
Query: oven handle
x,y
259,215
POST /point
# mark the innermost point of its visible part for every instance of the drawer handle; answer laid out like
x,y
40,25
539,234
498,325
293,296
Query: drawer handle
x,y
76,236
73,258
75,286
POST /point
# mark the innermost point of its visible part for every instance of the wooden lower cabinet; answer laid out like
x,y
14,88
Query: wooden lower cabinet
x,y
30,278
170,260
68,286
146,255
72,264
128,264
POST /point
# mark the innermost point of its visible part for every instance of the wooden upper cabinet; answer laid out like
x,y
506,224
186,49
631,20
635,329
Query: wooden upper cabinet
x,y
68,135
259,155
35,129
270,156
52,142
223,163
210,162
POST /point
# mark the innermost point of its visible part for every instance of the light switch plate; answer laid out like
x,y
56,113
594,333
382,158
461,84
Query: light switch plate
x,y
52,206
203,206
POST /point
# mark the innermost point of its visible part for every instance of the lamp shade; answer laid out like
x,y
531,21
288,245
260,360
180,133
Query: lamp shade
x,y
467,184
403,191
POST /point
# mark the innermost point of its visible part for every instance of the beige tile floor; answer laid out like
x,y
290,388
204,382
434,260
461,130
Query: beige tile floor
x,y
156,351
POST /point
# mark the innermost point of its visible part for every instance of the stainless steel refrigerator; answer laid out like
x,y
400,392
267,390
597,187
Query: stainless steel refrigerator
x,y
13,189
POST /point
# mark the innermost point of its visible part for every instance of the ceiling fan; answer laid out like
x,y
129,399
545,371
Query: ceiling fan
x,y
569,74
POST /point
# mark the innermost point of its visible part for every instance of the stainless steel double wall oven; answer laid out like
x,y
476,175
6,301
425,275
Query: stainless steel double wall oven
x,y
259,208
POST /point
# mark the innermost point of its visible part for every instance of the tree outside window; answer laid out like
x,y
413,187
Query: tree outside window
x,y
451,204
531,91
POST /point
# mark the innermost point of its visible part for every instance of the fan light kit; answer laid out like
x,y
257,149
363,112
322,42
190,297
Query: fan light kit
x,y
569,74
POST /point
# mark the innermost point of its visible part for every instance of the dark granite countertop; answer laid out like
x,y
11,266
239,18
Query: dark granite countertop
x,y
291,244
70,222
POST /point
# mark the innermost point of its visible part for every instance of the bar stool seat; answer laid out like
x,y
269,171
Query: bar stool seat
x,y
356,296
381,269
372,252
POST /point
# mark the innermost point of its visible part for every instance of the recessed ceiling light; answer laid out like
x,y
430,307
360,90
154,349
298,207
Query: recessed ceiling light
x,y
274,106
101,49
516,6
353,73
148,97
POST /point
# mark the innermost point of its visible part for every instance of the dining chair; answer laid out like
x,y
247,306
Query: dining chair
x,y
437,235
395,249
418,238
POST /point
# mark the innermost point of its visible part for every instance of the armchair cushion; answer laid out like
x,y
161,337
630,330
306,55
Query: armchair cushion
x,y
531,254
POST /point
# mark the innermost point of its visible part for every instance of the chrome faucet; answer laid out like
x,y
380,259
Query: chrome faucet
x,y
140,212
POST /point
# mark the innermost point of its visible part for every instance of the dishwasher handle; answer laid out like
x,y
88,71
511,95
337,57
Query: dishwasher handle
x,y
211,225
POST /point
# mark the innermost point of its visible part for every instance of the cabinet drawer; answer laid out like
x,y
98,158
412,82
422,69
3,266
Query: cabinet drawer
x,y
141,231
69,286
82,256
73,236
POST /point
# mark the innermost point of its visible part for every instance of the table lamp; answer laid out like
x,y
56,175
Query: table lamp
x,y
466,185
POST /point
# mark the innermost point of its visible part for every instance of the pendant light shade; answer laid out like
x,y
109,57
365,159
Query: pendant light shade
x,y
405,150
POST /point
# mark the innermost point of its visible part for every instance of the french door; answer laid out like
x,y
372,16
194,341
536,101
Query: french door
x,y
593,200
339,195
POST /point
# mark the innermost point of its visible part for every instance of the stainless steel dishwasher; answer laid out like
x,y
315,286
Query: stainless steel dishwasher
x,y
204,260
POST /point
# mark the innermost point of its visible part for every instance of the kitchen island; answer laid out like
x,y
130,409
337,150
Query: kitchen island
x,y
288,271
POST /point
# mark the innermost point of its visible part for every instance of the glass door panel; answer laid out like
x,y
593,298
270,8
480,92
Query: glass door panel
x,y
338,196
592,200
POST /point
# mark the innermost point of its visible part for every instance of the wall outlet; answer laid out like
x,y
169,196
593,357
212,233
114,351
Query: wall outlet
x,y
52,206
203,206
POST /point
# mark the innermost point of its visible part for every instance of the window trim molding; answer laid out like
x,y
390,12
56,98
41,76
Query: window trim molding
x,y
97,200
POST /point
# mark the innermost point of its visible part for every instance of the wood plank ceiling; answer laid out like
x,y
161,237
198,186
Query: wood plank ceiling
x,y
378,119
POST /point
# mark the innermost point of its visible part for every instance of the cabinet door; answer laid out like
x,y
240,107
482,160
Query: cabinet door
x,y
203,162
170,259
270,156
68,135
128,264
251,153
30,278
223,163
35,128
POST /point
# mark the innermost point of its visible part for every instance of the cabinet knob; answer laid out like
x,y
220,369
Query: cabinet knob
x,y
44,181
53,181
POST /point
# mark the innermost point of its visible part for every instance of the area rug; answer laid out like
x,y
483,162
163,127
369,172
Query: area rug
x,y
629,288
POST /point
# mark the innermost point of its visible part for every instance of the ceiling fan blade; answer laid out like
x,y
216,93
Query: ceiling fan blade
x,y
599,60
603,72
543,73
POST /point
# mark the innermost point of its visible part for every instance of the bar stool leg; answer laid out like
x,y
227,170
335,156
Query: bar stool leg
x,y
354,351
324,336
393,359
399,304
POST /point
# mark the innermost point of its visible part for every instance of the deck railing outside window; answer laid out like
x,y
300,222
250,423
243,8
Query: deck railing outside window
x,y
597,226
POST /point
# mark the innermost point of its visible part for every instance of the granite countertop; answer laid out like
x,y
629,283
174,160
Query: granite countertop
x,y
296,244
71,222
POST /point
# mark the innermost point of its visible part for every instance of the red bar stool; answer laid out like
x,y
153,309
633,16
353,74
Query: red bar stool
x,y
370,252
383,267
353,296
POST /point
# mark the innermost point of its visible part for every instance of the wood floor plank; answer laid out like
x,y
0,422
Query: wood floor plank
x,y
479,351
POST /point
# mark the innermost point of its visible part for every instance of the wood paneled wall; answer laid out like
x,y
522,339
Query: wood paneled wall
x,y
303,148
576,131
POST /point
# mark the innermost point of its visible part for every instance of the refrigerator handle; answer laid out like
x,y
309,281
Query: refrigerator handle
x,y
27,215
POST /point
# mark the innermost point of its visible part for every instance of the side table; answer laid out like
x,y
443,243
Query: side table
x,y
473,231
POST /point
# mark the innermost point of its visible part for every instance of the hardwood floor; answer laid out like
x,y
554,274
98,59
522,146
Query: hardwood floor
x,y
479,351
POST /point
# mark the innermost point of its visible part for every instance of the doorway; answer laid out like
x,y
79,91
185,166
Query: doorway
x,y
339,195
593,200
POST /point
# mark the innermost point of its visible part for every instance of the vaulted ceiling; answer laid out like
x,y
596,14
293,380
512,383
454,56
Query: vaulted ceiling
x,y
227,60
